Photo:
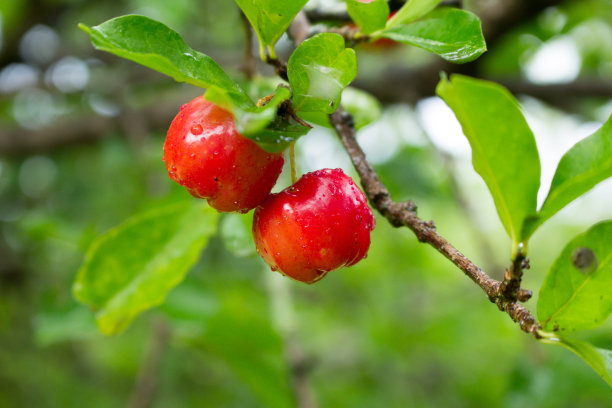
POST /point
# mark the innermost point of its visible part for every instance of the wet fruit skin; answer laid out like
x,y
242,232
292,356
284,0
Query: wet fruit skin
x,y
319,224
205,153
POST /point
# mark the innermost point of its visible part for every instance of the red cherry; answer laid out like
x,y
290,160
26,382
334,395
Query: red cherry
x,y
319,224
205,153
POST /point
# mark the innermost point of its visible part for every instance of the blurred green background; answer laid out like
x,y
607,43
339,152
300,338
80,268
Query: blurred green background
x,y
81,135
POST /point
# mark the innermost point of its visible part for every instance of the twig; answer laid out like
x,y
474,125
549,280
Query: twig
x,y
279,66
248,63
511,285
404,214
300,368
144,389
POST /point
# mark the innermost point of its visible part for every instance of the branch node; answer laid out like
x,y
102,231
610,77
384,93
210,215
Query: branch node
x,y
525,264
511,285
524,295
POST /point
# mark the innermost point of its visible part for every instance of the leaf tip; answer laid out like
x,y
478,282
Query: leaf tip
x,y
85,28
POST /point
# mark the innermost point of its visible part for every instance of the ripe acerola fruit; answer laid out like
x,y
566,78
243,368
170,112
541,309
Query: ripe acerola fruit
x,y
320,223
205,153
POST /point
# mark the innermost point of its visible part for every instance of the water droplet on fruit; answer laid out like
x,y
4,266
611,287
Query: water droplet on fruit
x,y
173,168
216,153
274,268
196,130
192,155
183,106
278,254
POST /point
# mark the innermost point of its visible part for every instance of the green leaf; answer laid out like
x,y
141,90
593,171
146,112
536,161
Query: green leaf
x,y
577,292
261,124
250,119
370,16
504,151
412,10
600,360
363,107
270,18
236,233
132,267
580,169
453,34
152,44
279,135
318,70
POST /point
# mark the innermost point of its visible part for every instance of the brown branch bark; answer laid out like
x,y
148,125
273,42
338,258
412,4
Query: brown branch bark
x,y
404,214
511,285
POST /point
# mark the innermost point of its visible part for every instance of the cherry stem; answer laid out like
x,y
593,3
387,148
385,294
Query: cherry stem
x,y
292,161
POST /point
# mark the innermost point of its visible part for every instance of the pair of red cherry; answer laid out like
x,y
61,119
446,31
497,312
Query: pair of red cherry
x,y
320,223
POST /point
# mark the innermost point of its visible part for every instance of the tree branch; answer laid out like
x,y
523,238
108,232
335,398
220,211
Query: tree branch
x,y
248,62
404,214
300,368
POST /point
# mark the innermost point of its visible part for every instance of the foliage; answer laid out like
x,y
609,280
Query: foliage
x,y
504,150
383,331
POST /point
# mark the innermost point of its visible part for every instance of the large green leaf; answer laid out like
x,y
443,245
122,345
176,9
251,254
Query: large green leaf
x,y
412,10
132,267
370,16
453,34
600,360
580,169
154,45
504,151
318,70
577,292
270,18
